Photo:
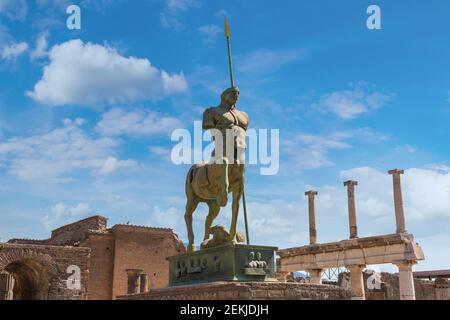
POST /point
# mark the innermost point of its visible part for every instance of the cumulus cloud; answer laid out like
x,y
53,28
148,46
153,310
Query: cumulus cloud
x,y
349,104
92,74
426,192
50,157
426,195
61,214
118,122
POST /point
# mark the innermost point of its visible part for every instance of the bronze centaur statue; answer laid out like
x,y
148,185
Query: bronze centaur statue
x,y
212,182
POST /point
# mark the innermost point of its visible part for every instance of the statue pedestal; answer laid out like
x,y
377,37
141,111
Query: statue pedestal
x,y
245,291
233,272
231,262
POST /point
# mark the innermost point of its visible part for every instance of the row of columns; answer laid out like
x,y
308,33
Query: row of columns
x,y
356,271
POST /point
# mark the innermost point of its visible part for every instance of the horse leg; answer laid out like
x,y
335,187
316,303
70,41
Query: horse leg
x,y
190,208
237,194
214,209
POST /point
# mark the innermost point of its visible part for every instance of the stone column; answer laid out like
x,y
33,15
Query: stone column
x,y
406,280
144,283
6,286
312,216
357,282
315,276
134,281
352,208
398,200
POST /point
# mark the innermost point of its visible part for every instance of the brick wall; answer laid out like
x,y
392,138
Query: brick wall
x,y
146,249
48,262
101,265
77,231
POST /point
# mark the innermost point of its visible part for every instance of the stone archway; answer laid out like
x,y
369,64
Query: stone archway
x,y
26,274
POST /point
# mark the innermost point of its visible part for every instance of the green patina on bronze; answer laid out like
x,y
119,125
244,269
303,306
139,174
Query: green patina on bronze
x,y
230,262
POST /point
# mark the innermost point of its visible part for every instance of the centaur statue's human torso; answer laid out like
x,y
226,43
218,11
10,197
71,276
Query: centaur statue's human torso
x,y
224,173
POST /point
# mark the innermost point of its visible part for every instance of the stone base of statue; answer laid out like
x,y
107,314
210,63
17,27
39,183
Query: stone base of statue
x,y
233,272
228,262
245,291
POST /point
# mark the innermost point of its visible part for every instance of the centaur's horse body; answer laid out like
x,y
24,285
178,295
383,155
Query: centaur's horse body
x,y
212,182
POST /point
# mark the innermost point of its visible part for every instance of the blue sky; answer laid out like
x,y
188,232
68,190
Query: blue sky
x,y
86,115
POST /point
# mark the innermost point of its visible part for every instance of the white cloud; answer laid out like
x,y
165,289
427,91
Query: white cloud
x,y
170,17
61,214
118,122
13,51
40,50
435,249
349,104
426,192
266,61
52,156
209,32
14,9
92,74
112,165
309,151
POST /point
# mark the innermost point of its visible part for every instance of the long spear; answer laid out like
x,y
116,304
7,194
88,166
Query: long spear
x,y
230,63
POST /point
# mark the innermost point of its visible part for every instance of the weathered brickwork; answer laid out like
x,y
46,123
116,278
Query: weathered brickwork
x,y
76,232
246,291
146,249
110,253
101,266
41,271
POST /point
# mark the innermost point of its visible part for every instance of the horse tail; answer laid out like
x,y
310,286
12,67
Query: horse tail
x,y
189,179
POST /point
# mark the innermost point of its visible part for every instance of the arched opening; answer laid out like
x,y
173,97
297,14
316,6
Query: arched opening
x,y
25,279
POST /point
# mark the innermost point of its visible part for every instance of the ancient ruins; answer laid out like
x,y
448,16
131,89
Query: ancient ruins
x,y
356,253
107,262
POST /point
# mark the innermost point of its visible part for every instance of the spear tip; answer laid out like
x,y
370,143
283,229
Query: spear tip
x,y
227,28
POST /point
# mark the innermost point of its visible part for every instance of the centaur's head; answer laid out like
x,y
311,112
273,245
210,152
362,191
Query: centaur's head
x,y
230,96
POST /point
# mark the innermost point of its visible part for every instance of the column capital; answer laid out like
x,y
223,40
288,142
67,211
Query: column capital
x,y
396,172
311,193
405,265
350,183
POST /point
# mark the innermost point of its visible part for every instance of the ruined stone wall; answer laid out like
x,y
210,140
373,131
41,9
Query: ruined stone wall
x,y
29,241
389,287
49,265
246,291
146,249
101,266
76,232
